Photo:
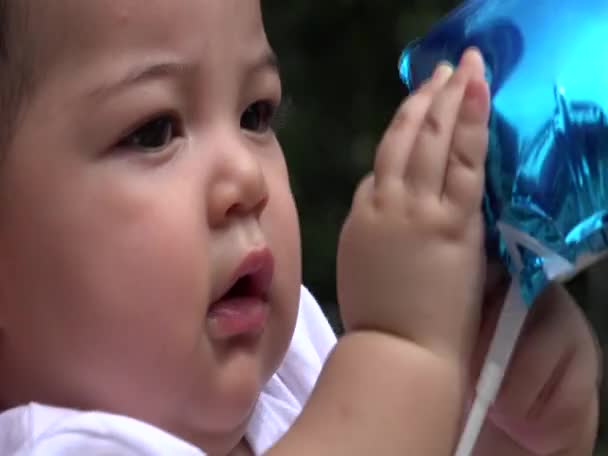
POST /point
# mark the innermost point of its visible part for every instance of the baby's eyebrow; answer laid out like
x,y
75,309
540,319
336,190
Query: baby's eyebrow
x,y
166,69
265,60
140,74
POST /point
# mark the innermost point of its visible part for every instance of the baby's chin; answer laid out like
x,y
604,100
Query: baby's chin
x,y
232,390
214,442
220,423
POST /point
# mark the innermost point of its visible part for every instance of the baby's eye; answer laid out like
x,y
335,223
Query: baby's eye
x,y
258,117
153,136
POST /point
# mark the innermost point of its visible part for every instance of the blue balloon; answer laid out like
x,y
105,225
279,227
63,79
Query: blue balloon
x,y
546,199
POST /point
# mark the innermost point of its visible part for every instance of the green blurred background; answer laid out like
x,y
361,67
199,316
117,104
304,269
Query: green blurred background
x,y
339,66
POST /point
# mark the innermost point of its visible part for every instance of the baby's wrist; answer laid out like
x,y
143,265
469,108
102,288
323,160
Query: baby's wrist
x,y
380,348
449,350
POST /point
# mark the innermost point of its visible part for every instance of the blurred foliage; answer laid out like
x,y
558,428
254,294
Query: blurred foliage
x,y
339,68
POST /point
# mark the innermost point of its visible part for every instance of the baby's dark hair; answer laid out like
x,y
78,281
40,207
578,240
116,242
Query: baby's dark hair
x,y
14,73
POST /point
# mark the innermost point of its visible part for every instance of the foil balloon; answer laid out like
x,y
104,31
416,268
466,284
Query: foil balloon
x,y
546,199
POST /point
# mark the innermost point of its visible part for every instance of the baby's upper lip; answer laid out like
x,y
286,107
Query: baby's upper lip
x,y
258,267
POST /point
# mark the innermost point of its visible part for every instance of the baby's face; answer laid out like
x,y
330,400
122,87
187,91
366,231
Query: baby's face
x,y
142,182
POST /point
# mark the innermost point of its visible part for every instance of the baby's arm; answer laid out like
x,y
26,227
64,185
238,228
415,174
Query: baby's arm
x,y
410,274
374,397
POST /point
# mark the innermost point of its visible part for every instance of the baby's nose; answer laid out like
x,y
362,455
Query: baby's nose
x,y
239,188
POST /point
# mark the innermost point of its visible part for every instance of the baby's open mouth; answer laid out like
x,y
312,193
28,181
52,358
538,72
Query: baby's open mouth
x,y
247,286
243,309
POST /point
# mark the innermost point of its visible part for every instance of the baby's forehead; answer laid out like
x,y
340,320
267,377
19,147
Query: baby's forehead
x,y
80,30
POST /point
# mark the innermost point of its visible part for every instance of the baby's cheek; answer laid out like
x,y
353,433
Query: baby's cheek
x,y
281,227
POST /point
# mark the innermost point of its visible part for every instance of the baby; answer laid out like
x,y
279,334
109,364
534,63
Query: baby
x,y
150,279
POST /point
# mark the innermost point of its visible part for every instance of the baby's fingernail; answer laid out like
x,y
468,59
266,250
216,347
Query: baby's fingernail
x,y
443,72
472,53
476,101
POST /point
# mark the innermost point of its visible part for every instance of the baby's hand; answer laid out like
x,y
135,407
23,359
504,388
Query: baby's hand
x,y
410,257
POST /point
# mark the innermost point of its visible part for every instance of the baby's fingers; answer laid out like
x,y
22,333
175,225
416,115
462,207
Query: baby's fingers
x,y
465,172
394,150
427,164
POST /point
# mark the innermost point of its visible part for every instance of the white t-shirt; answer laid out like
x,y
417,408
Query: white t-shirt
x,y
39,430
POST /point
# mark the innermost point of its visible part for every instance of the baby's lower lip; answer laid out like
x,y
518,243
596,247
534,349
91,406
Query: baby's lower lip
x,y
238,316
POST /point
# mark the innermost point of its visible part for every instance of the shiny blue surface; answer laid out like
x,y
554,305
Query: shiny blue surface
x,y
547,169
